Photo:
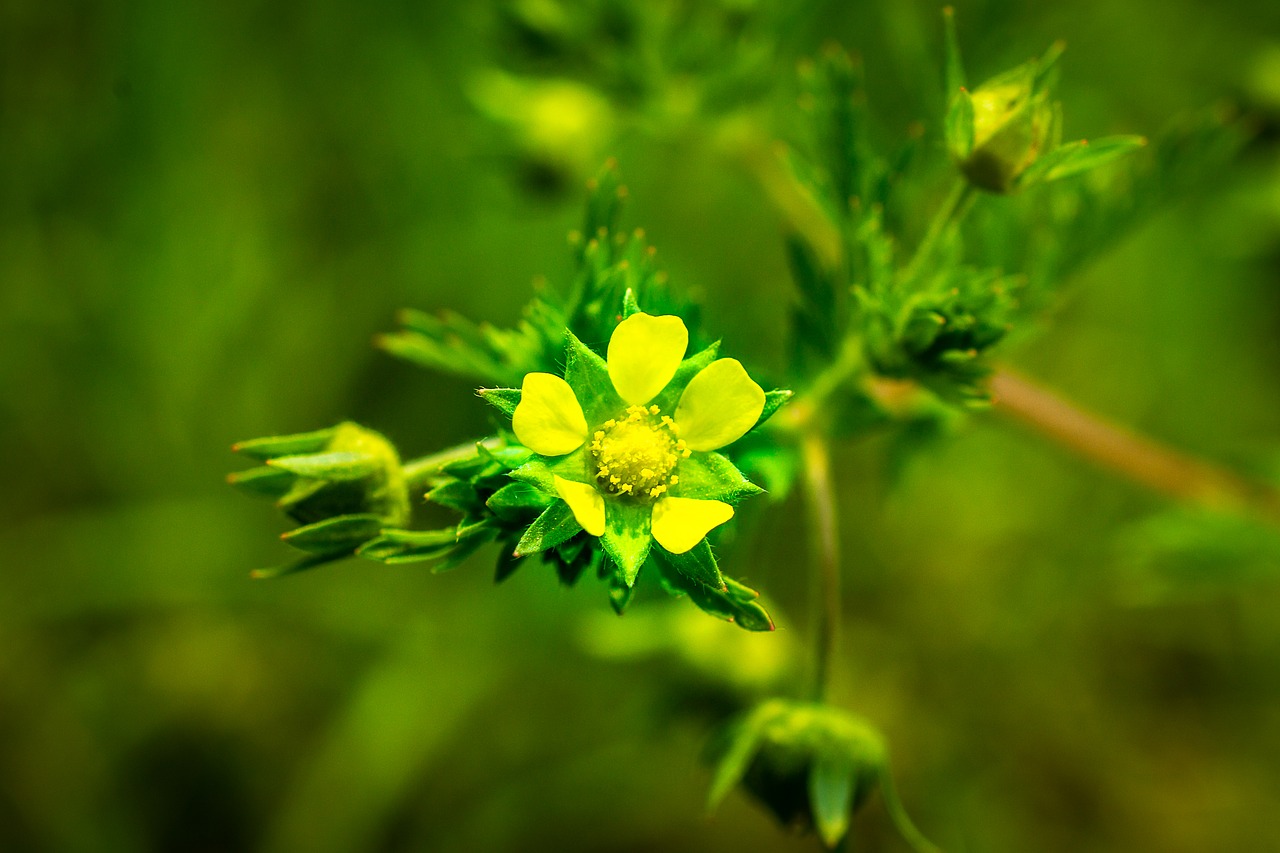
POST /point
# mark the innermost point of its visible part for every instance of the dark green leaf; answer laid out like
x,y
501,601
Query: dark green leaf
x,y
456,495
555,525
541,472
588,376
516,501
668,398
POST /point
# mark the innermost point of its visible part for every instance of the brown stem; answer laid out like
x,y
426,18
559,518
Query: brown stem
x,y
1141,459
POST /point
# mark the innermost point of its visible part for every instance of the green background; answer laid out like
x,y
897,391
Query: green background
x,y
207,210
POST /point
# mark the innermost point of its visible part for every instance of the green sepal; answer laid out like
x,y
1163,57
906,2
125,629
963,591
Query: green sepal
x,y
669,397
504,400
629,304
471,539
286,445
588,376
409,546
745,737
737,603
337,466
627,537
507,562
300,565
698,564
832,782
773,400
620,591
516,501
710,476
1084,155
540,472
555,525
954,65
263,481
958,128
340,533
457,495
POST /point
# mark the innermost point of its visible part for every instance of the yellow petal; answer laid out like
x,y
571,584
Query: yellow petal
x,y
718,406
644,353
548,419
587,504
680,523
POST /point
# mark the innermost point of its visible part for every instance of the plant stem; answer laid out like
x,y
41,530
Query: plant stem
x,y
825,542
418,471
953,209
914,837
1141,459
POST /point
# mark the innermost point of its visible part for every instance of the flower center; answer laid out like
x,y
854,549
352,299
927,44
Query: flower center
x,y
637,454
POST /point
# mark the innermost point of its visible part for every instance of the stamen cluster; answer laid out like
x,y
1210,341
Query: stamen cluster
x,y
637,453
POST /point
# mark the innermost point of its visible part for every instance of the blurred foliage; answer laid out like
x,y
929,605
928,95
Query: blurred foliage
x,y
206,214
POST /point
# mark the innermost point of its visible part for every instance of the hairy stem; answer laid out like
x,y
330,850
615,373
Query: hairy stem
x,y
1143,460
821,499
417,472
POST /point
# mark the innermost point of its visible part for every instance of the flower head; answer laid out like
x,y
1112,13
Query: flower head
x,y
629,443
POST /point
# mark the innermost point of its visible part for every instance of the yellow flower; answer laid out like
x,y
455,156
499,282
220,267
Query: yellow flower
x,y
629,483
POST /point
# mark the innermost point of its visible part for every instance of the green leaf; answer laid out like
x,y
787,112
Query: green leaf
x,y
555,525
627,538
1086,155
736,604
669,396
263,481
712,477
286,445
629,304
698,564
516,501
339,466
343,532
588,376
504,400
831,784
464,549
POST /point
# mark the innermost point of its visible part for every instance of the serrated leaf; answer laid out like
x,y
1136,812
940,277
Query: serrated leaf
x,y
627,537
831,788
698,564
263,481
555,525
711,476
286,445
504,400
337,466
343,532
